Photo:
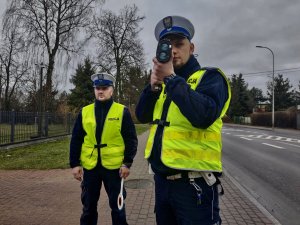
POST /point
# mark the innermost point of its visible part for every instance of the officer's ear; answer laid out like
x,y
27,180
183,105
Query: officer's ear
x,y
112,90
192,48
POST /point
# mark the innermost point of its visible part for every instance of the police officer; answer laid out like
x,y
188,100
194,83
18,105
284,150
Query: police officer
x,y
102,149
184,144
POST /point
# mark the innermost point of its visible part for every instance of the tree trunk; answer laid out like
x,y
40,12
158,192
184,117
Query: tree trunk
x,y
48,86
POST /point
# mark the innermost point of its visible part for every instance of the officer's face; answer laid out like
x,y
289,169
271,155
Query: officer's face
x,y
103,93
182,48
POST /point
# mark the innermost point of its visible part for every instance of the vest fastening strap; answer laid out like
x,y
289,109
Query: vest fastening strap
x,y
160,123
100,146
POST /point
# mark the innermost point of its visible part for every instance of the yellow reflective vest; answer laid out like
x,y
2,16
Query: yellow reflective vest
x,y
184,146
112,144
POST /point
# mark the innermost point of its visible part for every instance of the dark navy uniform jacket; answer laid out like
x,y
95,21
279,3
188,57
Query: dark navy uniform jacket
x,y
128,133
201,107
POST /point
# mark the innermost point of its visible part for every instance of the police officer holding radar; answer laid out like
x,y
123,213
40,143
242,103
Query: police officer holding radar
x,y
185,104
102,149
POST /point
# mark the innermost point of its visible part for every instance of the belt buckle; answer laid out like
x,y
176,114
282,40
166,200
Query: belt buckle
x,y
194,174
171,177
174,177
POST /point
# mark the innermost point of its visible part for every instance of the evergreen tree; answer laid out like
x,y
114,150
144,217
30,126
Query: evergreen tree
x,y
283,95
239,97
255,96
83,92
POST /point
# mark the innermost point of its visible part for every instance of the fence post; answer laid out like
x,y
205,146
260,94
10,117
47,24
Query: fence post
x,y
69,123
46,123
40,133
12,126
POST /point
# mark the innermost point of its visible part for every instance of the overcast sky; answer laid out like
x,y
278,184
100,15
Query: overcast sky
x,y
226,33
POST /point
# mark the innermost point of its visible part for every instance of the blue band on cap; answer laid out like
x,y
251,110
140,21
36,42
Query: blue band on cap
x,y
175,30
103,83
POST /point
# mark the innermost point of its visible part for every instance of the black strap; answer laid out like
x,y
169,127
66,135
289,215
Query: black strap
x,y
161,123
218,182
100,146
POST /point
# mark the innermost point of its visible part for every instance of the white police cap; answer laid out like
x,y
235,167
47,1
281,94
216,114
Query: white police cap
x,y
103,79
174,25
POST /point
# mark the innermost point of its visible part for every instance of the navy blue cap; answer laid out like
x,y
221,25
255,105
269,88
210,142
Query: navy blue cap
x,y
177,25
103,80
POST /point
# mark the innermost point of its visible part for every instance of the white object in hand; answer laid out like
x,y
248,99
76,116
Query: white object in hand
x,y
120,197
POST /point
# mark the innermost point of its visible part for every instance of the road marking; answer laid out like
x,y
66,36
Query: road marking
x,y
268,137
275,146
289,144
247,138
259,136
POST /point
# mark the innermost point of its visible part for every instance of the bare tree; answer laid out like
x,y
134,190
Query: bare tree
x,y
134,85
118,43
14,61
54,25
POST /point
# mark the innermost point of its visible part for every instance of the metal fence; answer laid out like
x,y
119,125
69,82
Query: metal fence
x,y
16,127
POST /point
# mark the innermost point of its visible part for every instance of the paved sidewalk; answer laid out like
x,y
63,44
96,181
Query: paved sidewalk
x,y
52,197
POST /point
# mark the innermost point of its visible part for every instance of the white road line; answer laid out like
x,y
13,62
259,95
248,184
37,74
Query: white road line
x,y
269,137
259,136
289,144
275,146
247,138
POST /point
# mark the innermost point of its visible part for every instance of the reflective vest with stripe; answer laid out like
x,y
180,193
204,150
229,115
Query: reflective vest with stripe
x,y
184,146
112,144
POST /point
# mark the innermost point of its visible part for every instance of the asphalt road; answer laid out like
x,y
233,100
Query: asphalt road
x,y
267,164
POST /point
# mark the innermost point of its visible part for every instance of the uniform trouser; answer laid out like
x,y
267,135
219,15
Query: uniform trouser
x,y
177,202
91,186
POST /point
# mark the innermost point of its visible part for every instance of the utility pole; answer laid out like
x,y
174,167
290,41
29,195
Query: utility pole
x,y
0,87
0,93
40,133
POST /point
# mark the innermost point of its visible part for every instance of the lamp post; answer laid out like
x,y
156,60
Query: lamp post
x,y
273,110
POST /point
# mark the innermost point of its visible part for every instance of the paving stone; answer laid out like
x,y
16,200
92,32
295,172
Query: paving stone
x,y
48,197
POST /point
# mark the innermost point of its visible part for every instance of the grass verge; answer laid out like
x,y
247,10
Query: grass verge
x,y
48,155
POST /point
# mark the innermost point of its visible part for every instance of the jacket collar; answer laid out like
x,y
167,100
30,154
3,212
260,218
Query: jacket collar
x,y
189,68
104,104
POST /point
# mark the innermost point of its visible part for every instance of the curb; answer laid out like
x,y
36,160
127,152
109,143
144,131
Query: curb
x,y
251,198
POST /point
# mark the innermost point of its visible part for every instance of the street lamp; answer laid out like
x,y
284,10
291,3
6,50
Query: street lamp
x,y
258,46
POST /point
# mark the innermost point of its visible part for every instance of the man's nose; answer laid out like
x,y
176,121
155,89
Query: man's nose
x,y
174,52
